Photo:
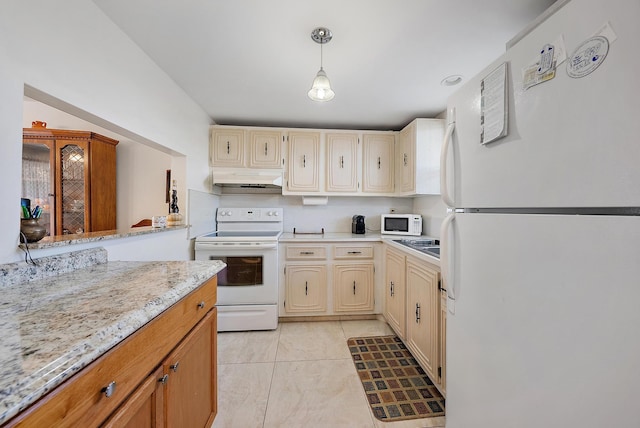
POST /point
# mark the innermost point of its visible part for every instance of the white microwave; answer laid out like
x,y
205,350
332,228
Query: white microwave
x,y
401,224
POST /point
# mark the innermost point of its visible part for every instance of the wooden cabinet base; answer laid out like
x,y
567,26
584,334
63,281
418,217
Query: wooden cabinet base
x,y
81,400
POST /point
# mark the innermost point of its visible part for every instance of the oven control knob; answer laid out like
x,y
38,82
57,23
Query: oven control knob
x,y
276,213
270,213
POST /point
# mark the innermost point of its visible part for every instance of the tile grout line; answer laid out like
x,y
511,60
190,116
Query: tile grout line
x,y
273,373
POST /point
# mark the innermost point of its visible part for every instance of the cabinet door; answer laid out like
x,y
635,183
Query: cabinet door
x,y
395,291
378,160
423,302
190,390
227,147
406,158
305,288
304,162
265,148
442,370
342,162
353,288
72,187
143,408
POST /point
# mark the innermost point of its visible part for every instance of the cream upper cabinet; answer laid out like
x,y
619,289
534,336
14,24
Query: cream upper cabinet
x,y
395,291
423,314
303,172
378,163
418,157
342,162
227,147
265,149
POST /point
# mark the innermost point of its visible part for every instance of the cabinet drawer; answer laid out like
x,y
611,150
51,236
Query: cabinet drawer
x,y
364,251
81,402
306,252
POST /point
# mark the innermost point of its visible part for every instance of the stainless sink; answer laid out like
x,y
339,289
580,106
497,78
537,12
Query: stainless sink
x,y
427,246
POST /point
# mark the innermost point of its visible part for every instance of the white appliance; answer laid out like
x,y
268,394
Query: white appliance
x,y
401,224
247,241
541,253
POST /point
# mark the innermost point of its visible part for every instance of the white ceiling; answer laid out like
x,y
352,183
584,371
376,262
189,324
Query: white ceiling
x,y
251,62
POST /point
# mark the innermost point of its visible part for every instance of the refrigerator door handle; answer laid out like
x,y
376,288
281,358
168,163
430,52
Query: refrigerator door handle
x,y
446,262
444,190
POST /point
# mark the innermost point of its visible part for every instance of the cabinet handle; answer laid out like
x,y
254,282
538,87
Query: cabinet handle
x,y
354,287
392,292
378,162
404,157
354,252
109,389
201,305
306,288
228,148
417,313
307,253
174,367
304,161
341,161
163,380
266,150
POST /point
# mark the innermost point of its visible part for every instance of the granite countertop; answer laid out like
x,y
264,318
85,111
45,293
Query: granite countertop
x,y
411,251
104,235
53,326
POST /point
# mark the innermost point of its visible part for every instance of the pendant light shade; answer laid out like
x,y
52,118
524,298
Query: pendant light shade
x,y
321,87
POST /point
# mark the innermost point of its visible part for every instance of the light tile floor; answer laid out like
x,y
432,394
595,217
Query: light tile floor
x,y
299,375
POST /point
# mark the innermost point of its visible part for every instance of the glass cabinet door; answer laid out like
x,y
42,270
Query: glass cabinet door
x,y
38,180
73,188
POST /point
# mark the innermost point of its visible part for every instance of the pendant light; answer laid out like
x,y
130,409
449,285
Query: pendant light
x,y
321,87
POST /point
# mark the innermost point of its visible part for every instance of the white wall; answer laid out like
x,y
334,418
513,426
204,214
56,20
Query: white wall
x,y
433,212
333,217
69,50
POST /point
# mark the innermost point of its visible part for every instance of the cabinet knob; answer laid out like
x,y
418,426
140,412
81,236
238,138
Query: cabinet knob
x,y
163,380
109,389
174,367
201,305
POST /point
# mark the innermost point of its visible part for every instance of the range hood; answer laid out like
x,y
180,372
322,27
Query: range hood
x,y
248,178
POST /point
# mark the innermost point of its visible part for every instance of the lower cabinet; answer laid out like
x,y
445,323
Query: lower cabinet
x,y
328,279
306,289
395,291
423,315
144,408
163,375
353,287
415,308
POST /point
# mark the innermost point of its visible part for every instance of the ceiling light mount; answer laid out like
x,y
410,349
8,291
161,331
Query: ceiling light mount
x,y
452,80
321,87
321,35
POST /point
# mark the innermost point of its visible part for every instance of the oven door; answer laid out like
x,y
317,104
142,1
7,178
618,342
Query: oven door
x,y
251,275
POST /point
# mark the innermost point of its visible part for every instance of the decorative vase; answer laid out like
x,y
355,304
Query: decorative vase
x,y
32,230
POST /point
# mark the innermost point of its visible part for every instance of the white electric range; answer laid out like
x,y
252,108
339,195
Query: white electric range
x,y
247,241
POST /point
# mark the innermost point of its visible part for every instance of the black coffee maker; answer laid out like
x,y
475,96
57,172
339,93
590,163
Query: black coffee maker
x,y
357,224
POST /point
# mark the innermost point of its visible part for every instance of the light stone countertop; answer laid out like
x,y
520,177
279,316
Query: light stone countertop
x,y
54,326
329,237
290,238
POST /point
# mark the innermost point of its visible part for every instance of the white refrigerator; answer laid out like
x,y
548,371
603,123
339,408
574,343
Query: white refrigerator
x,y
541,249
